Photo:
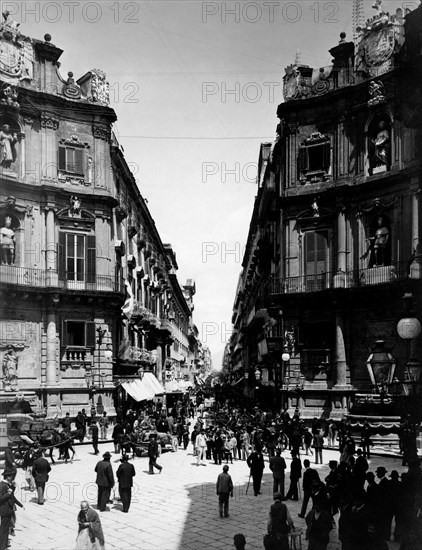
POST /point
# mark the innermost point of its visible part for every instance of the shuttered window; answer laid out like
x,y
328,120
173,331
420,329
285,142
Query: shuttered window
x,y
78,333
313,158
71,160
77,258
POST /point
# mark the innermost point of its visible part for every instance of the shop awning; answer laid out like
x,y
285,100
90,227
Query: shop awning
x,y
144,389
172,386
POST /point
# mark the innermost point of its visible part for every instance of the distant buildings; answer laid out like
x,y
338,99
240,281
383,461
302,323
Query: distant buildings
x,y
335,233
90,297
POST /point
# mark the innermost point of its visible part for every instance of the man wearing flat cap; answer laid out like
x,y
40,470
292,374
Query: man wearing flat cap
x,y
125,474
279,523
105,481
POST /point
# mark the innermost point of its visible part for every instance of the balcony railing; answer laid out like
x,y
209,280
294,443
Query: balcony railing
x,y
315,358
30,277
330,280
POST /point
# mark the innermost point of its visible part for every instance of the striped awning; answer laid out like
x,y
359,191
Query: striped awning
x,y
143,389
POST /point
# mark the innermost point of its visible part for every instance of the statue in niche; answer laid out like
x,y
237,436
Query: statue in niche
x,y
382,147
378,245
7,242
10,370
7,146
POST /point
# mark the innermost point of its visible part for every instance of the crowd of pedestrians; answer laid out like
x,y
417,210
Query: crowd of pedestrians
x,y
368,507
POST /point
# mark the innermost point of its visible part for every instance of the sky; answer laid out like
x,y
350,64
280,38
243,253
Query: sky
x,y
195,86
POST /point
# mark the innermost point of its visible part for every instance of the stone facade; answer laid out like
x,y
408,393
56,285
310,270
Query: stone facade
x,y
334,241
85,281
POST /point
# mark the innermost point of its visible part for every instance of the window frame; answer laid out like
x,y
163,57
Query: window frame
x,y
89,334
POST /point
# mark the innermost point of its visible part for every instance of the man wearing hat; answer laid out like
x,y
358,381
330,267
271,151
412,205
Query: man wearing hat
x,y
105,481
384,503
224,488
125,474
153,454
40,470
7,504
279,523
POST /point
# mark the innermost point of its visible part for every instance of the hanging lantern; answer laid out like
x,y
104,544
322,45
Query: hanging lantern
x,y
408,328
381,365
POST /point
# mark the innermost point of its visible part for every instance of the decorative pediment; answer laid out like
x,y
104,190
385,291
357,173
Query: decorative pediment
x,y
75,141
316,137
74,215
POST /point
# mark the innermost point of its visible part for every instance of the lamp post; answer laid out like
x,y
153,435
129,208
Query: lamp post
x,y
285,376
409,328
94,378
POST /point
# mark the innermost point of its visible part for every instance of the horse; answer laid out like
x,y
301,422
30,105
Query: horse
x,y
50,439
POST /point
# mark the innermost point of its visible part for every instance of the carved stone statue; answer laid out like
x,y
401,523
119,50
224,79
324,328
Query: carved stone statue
x,y
75,206
315,208
382,143
7,146
376,93
7,242
377,245
10,371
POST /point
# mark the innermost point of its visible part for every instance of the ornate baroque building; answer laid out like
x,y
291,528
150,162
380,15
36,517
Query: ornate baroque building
x,y
90,297
334,240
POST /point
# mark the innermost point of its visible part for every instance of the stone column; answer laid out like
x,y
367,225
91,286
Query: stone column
x,y
51,348
341,362
159,364
416,266
51,263
341,236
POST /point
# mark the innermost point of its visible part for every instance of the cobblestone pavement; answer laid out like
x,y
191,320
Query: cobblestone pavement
x,y
175,510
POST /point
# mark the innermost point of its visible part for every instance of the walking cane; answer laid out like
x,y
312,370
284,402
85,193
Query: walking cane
x,y
247,488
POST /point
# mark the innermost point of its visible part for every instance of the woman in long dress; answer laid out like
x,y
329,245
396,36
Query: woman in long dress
x,y
90,536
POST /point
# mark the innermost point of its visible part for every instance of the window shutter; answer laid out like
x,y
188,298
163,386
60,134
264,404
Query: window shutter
x,y
79,161
91,259
62,256
62,158
64,333
303,159
326,155
90,334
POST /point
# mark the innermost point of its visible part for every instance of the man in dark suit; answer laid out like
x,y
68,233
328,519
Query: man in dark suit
x,y
277,466
308,477
105,481
153,454
125,474
7,505
40,471
256,463
295,475
94,434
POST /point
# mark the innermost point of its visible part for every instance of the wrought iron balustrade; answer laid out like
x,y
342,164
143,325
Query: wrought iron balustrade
x,y
31,277
332,280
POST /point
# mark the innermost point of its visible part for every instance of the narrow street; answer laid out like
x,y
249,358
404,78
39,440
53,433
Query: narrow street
x,y
174,510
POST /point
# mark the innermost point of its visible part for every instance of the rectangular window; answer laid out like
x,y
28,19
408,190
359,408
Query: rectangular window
x,y
71,160
315,158
77,258
78,334
316,260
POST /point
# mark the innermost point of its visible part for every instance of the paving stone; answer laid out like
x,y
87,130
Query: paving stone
x,y
176,510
